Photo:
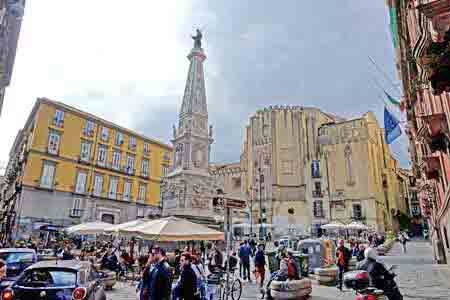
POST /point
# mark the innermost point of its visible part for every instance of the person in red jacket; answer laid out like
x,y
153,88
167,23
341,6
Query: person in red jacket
x,y
343,256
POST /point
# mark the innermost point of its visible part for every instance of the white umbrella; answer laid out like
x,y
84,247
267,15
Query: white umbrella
x,y
356,226
117,228
335,225
173,229
88,228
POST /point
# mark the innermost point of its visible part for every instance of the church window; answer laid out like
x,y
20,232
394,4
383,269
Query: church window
x,y
349,165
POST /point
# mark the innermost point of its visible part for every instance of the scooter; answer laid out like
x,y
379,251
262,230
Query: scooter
x,y
359,281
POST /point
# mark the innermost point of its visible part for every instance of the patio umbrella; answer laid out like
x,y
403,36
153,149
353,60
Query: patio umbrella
x,y
88,228
117,228
173,229
335,225
356,226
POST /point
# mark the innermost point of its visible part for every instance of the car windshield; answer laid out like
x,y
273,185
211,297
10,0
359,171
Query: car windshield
x,y
48,278
16,257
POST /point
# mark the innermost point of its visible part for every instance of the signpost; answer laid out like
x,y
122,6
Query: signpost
x,y
228,203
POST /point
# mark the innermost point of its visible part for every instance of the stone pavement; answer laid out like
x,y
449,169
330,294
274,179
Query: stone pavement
x,y
418,278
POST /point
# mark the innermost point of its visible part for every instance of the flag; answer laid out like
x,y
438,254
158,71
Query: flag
x,y
392,101
392,128
393,17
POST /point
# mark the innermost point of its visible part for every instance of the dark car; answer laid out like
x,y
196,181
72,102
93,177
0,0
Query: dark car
x,y
17,260
56,280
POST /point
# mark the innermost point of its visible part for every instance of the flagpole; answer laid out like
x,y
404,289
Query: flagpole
x,y
384,74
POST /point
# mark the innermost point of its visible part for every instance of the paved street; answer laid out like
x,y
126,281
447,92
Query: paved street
x,y
418,278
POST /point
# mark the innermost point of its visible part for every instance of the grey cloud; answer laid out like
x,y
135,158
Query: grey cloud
x,y
291,52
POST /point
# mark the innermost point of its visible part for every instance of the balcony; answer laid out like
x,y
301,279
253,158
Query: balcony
x,y
317,194
76,213
432,165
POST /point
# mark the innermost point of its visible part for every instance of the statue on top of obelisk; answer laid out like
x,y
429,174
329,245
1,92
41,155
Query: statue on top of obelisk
x,y
197,39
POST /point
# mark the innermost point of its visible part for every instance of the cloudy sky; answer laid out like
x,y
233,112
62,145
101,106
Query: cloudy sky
x,y
126,61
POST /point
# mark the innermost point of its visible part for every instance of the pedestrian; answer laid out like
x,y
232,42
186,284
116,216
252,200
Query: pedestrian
x,y
343,256
145,278
215,260
199,270
360,256
244,256
186,287
202,250
402,238
241,266
159,286
260,265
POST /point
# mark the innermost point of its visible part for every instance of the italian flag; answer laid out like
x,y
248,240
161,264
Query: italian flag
x,y
395,102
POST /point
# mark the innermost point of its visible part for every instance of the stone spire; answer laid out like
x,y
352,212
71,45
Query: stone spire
x,y
185,191
193,136
194,99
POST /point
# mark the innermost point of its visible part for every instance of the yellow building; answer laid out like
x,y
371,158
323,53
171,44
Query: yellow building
x,y
76,166
283,174
361,173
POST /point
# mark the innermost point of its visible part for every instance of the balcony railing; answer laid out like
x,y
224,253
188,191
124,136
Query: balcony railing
x,y
76,213
317,194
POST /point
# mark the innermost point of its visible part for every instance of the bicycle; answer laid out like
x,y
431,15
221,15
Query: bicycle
x,y
235,287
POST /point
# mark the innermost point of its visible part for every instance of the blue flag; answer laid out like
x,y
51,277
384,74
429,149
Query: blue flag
x,y
392,128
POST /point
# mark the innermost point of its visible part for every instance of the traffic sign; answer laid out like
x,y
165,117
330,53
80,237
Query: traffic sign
x,y
235,203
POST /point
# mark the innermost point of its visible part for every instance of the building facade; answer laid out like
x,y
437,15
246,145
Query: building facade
x,y
422,42
188,189
70,166
283,173
11,13
361,174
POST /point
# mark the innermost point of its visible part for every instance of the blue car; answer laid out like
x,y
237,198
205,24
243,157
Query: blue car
x,y
56,280
17,260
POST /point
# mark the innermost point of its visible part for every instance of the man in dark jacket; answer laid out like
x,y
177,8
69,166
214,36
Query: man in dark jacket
x,y
159,286
343,256
186,288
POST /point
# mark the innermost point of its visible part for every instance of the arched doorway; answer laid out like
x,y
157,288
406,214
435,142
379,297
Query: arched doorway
x,y
108,218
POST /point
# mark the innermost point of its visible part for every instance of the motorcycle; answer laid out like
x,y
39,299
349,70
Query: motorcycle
x,y
359,282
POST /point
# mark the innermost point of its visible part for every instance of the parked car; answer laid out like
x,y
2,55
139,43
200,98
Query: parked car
x,y
56,280
47,254
17,260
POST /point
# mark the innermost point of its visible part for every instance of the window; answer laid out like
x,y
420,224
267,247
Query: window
x,y
105,134
348,164
119,138
85,152
144,167
166,156
89,128
318,209
102,154
129,167
48,173
127,190
80,186
113,183
142,192
165,170
317,192
116,160
315,169
108,218
146,148
132,143
53,142
58,120
357,213
140,212
98,185
76,208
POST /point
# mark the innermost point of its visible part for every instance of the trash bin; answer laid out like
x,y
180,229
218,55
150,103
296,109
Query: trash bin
x,y
274,263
